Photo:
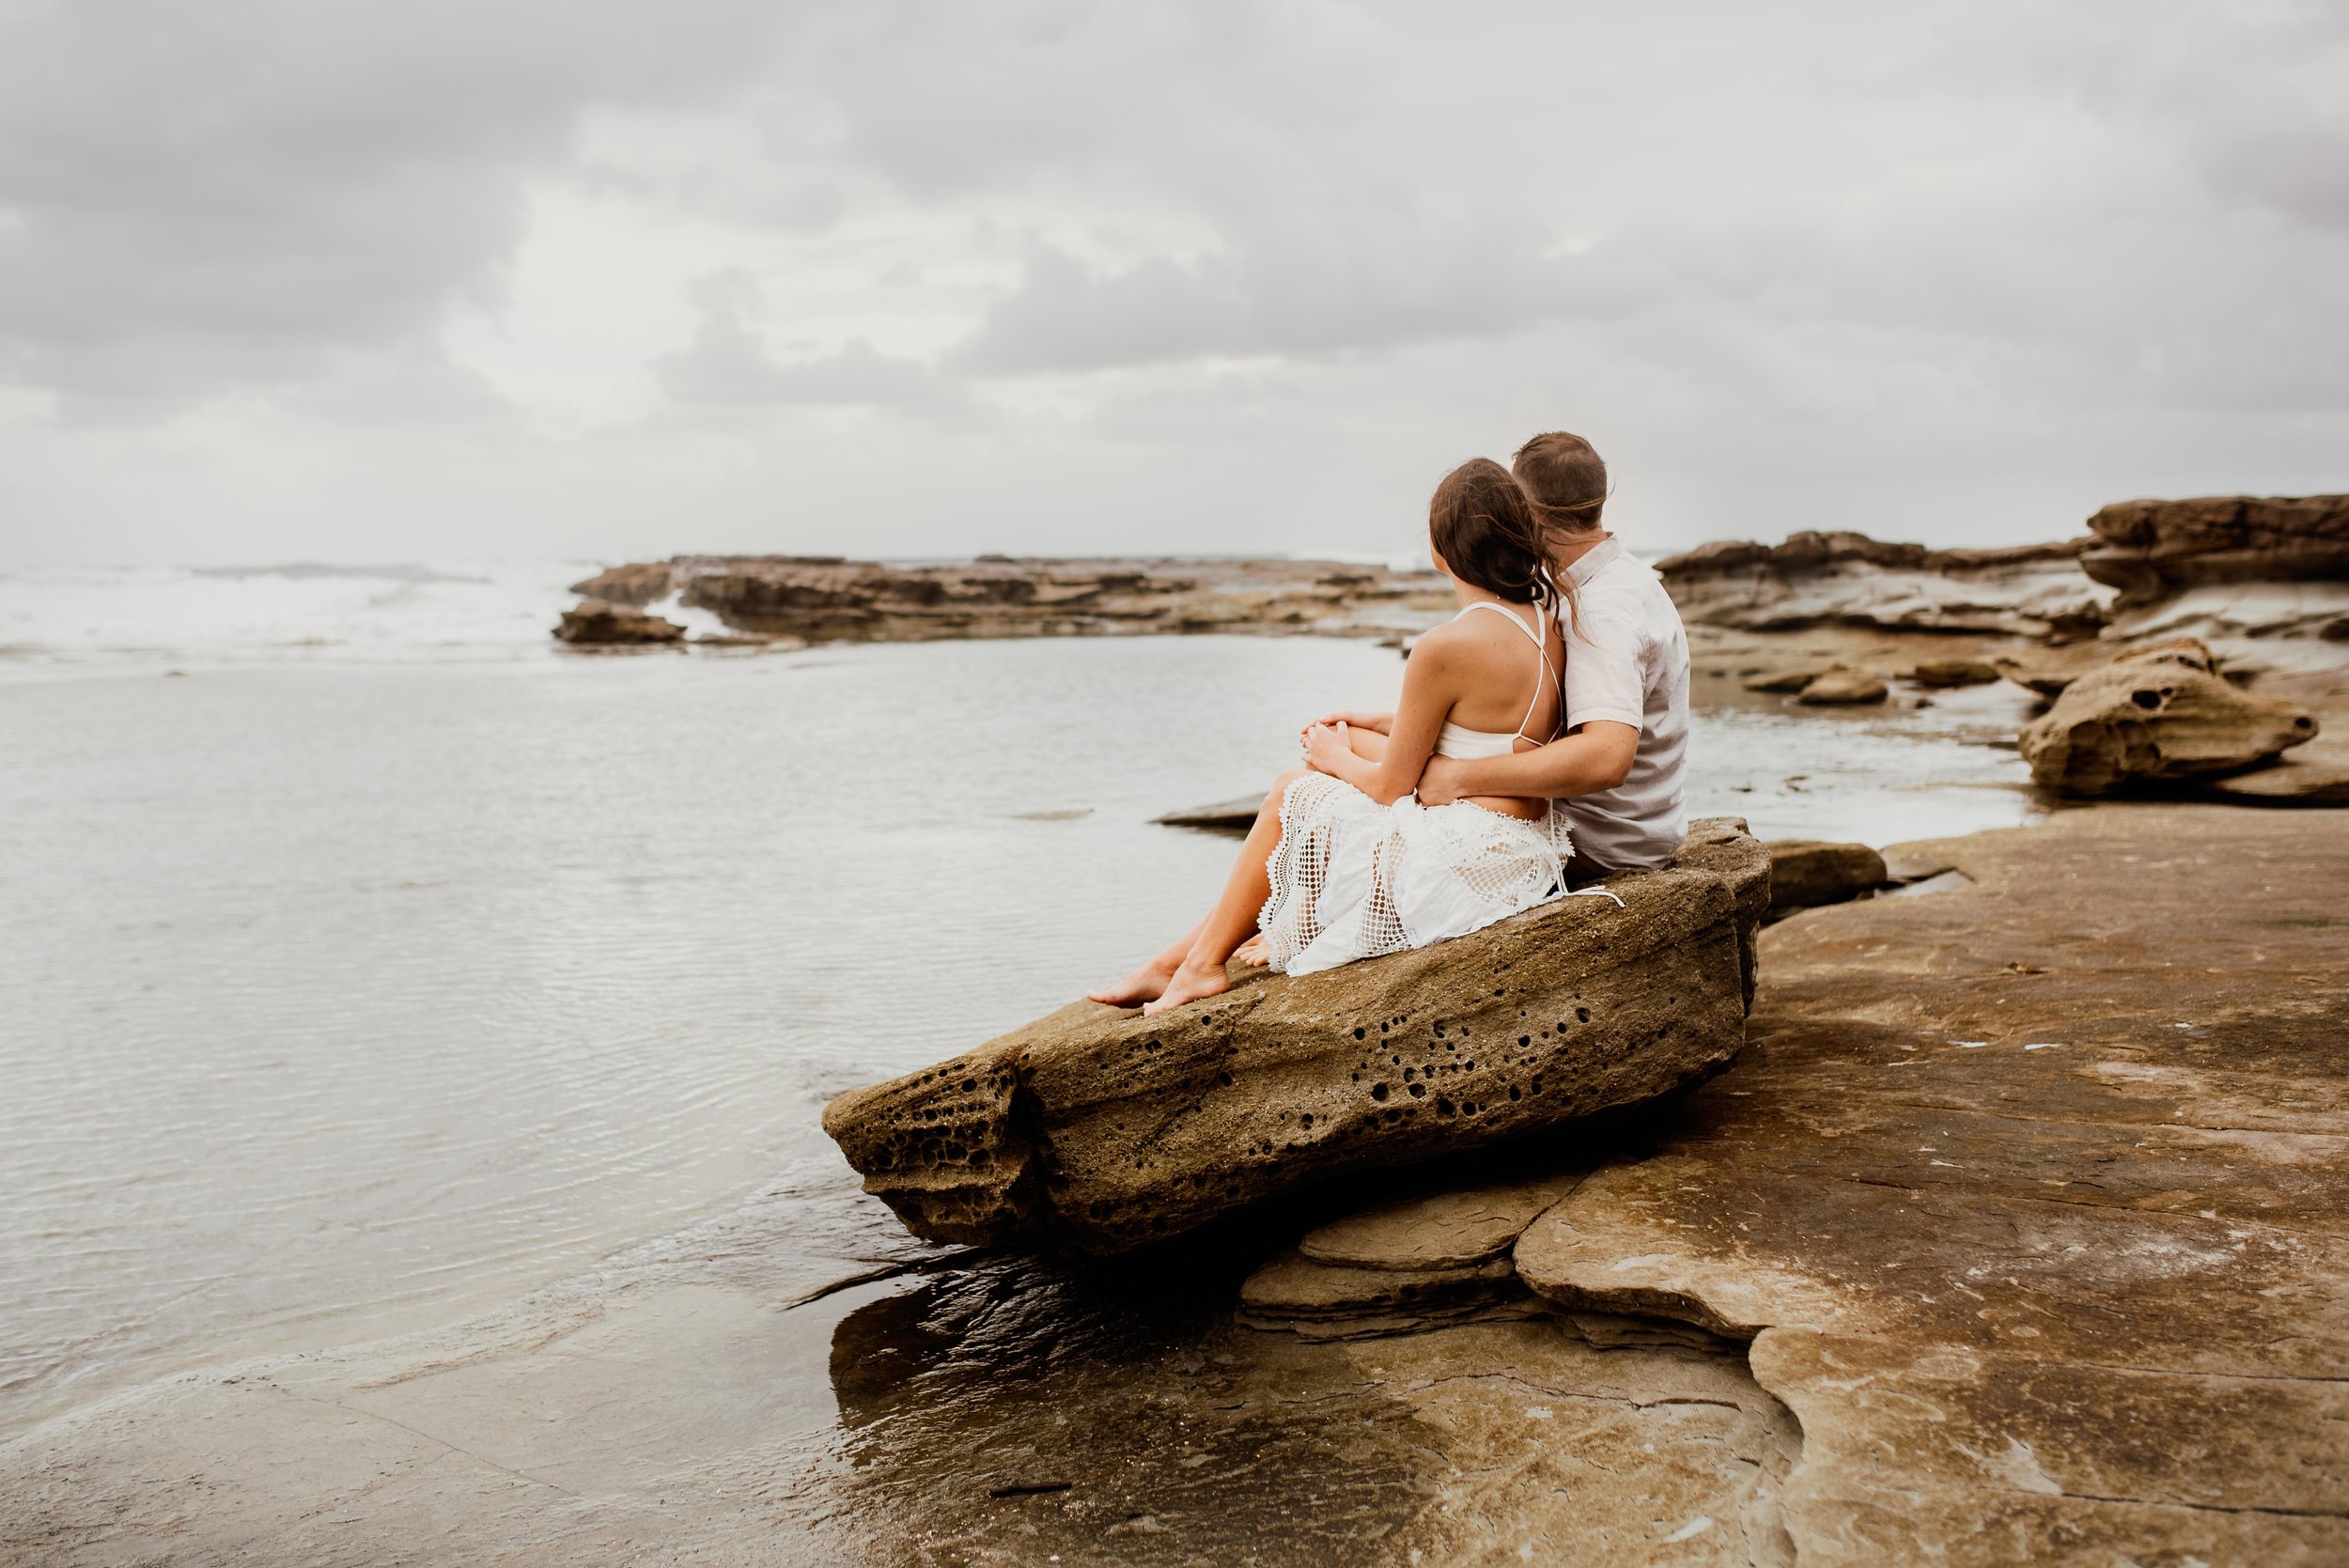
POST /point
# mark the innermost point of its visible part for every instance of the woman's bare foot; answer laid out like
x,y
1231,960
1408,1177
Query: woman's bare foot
x,y
1255,951
1191,982
1146,984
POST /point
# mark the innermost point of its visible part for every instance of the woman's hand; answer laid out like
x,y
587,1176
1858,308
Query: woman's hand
x,y
1327,750
1377,723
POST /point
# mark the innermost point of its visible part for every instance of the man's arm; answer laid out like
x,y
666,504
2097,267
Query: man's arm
x,y
1598,755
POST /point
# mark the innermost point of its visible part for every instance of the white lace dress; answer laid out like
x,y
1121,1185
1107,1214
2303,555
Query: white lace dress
x,y
1352,879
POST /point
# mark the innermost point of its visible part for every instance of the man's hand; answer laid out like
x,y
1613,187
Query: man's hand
x,y
1439,785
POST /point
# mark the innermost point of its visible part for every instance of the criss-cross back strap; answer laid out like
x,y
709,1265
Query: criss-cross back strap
x,y
1541,646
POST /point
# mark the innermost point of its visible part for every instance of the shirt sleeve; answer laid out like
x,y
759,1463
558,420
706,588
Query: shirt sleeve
x,y
1603,673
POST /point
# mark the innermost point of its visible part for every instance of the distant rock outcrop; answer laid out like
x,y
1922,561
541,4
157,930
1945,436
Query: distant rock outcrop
x,y
594,623
2150,549
641,584
1099,1130
1830,579
2162,714
819,599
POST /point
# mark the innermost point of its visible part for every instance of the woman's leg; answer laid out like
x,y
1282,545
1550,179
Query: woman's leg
x,y
1149,983
1146,983
1233,920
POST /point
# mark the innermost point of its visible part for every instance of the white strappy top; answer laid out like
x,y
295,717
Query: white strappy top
x,y
1459,740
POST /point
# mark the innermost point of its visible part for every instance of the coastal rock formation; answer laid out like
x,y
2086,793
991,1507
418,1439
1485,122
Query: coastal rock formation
x,y
2149,549
1955,673
2029,1196
1843,689
1790,681
1097,1130
594,623
830,598
1406,1266
2162,714
643,583
1805,873
1236,816
1816,578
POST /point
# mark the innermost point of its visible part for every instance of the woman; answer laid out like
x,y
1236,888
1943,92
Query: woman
x,y
1343,863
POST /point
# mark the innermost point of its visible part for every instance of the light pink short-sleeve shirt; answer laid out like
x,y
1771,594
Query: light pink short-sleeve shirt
x,y
1629,663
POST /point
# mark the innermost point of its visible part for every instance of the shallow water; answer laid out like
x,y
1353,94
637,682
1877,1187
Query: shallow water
x,y
352,995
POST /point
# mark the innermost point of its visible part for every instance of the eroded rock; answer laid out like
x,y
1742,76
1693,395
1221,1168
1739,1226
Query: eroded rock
x,y
2149,549
1787,682
594,623
1843,689
1815,579
1805,873
2162,714
1097,1131
830,598
638,583
1955,673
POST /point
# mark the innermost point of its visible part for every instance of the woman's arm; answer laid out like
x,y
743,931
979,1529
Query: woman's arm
x,y
1376,723
1431,684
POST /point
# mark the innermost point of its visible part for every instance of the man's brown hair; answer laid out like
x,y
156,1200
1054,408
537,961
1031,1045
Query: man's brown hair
x,y
1564,479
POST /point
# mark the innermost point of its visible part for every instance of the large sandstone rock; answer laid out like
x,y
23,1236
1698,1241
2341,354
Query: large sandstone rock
x,y
1849,578
2163,714
2149,549
593,623
1097,1129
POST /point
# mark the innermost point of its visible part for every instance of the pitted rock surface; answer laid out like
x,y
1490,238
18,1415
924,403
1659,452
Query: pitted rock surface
x,y
1097,1129
2162,714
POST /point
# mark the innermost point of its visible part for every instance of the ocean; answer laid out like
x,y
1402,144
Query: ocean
x,y
371,961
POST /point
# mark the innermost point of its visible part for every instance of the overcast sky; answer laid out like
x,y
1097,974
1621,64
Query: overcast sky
x,y
366,280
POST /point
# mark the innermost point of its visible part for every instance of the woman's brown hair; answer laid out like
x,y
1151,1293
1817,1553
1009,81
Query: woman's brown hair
x,y
1482,524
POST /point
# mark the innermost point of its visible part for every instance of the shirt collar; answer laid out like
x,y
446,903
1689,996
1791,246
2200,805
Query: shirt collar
x,y
1587,565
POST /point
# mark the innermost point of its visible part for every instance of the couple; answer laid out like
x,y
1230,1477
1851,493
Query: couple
x,y
1407,828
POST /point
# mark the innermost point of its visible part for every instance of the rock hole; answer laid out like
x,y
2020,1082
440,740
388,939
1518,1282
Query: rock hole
x,y
1525,1039
1582,1014
1513,1092
1359,1032
2147,700
1419,1091
1443,1107
1378,1091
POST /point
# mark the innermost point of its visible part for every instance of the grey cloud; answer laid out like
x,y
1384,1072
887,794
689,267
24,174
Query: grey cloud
x,y
204,195
728,364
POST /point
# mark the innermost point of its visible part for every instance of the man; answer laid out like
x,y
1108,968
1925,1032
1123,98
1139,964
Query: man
x,y
1617,770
